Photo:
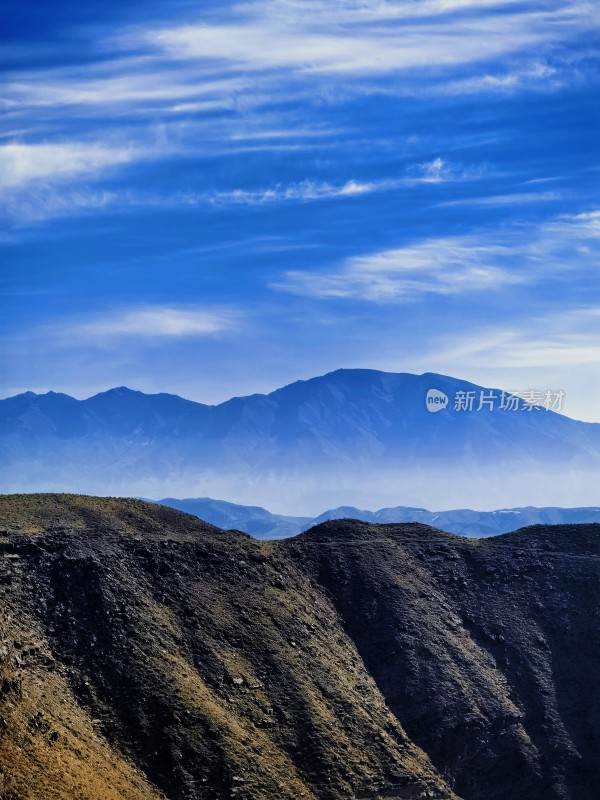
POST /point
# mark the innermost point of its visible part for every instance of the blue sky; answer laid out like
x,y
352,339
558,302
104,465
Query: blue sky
x,y
220,198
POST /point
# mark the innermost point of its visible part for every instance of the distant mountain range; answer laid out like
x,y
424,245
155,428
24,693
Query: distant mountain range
x,y
261,524
256,521
358,434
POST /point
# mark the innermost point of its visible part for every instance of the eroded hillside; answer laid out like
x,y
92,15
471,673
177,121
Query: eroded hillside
x,y
146,654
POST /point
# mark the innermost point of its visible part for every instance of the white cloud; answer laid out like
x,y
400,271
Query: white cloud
x,y
304,191
361,11
485,261
565,339
154,322
251,53
517,198
437,266
23,164
537,76
586,224
286,133
50,202
129,81
260,46
229,68
349,38
435,171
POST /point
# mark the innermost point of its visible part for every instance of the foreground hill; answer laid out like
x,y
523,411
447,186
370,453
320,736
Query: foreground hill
x,y
352,433
146,654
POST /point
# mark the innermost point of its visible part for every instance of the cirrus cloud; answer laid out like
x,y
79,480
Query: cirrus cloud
x,y
442,266
155,322
24,163
482,261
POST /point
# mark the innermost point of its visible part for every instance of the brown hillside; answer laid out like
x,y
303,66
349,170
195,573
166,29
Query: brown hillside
x,y
146,654
149,653
487,651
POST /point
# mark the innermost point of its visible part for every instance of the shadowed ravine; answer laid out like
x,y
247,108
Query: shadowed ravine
x,y
146,654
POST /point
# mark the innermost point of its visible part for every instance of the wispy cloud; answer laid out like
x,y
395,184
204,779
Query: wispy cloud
x,y
49,180
46,201
565,339
249,53
132,83
349,38
224,80
437,170
440,170
304,191
308,190
152,322
585,225
38,188
437,266
22,164
485,261
537,76
514,199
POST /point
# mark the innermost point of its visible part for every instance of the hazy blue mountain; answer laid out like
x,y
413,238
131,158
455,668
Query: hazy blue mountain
x,y
254,520
263,525
352,433
119,412
467,522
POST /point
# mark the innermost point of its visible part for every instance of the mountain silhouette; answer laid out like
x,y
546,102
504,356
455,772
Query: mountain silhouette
x,y
361,435
262,524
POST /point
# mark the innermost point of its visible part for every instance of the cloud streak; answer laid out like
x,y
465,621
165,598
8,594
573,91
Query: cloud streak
x,y
35,187
349,39
435,171
153,323
225,79
567,339
22,164
482,262
255,52
305,191
438,266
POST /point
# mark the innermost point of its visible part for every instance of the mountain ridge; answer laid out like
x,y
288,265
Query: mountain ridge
x,y
358,433
286,389
259,522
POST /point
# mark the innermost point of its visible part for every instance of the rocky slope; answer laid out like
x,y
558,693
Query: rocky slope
x,y
146,654
487,651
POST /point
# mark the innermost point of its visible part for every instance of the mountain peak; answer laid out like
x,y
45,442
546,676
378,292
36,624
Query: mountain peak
x,y
353,430
118,391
